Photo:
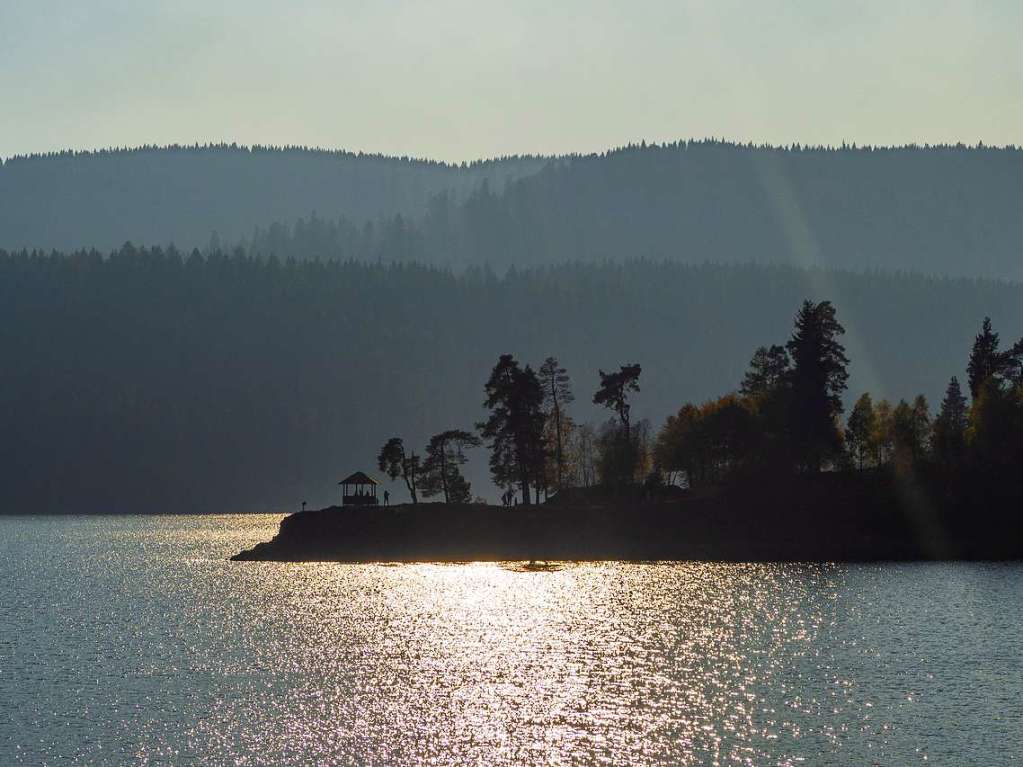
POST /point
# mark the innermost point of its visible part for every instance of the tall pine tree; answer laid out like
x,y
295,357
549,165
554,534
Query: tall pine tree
x,y
860,429
819,377
557,392
515,425
949,436
984,358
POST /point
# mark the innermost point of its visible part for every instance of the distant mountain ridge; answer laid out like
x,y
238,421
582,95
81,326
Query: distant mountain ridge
x,y
944,210
937,210
185,194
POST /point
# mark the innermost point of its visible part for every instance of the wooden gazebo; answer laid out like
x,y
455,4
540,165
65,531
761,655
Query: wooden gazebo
x,y
358,490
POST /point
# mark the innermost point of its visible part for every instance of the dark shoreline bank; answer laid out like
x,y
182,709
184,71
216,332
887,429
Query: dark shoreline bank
x,y
829,517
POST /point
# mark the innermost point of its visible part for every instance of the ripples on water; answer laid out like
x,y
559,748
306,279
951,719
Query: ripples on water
x,y
134,641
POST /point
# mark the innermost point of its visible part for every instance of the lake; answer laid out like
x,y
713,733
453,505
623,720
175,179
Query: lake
x,y
132,640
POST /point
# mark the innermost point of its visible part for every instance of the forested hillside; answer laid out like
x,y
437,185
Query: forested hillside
x,y
149,381
938,210
942,210
184,194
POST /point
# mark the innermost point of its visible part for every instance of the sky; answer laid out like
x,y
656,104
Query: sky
x,y
464,79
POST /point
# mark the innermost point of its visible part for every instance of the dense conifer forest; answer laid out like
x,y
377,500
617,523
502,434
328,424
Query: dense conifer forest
x,y
948,210
191,195
152,380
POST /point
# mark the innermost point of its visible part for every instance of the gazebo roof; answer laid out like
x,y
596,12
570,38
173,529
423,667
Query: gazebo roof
x,y
358,478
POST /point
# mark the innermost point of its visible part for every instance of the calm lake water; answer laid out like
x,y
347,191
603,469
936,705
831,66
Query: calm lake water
x,y
134,641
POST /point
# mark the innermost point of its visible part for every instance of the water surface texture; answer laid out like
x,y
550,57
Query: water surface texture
x,y
133,640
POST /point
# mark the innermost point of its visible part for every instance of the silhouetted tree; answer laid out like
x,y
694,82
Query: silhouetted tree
x,y
623,461
614,391
819,377
949,435
726,435
557,389
767,392
459,489
617,455
583,447
677,448
441,470
569,469
515,425
911,426
618,452
767,371
709,442
395,462
860,429
883,438
1012,364
996,428
984,358
921,421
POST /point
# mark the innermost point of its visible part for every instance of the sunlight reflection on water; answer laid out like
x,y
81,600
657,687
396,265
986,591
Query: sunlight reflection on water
x,y
133,640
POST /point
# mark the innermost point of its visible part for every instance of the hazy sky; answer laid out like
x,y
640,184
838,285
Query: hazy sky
x,y
460,79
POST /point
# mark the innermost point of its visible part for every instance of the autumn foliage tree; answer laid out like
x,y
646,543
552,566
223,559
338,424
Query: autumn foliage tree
x,y
859,431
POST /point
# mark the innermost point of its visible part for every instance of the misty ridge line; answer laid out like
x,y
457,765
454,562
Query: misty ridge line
x,y
950,211
342,153
256,149
613,272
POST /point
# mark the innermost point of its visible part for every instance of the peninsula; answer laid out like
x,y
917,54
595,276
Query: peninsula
x,y
768,473
826,517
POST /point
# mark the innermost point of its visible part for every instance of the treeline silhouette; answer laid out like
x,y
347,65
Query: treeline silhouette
x,y
787,416
151,380
195,194
768,472
948,210
784,419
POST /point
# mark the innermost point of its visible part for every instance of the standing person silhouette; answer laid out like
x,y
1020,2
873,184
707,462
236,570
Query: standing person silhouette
x,y
387,498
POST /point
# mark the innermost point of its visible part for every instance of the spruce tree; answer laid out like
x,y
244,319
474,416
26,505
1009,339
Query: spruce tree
x,y
949,431
984,358
921,422
860,429
819,377
768,369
